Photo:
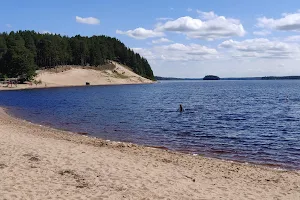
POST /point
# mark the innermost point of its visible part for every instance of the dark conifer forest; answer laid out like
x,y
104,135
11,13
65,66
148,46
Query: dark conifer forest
x,y
23,52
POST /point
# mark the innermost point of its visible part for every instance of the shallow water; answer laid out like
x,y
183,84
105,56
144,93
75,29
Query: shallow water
x,y
249,121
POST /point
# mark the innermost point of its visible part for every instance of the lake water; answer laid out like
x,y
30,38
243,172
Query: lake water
x,y
249,121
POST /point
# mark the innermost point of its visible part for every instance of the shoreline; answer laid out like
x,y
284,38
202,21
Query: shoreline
x,y
66,86
89,167
164,148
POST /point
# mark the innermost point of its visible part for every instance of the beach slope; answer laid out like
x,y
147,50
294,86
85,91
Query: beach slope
x,y
37,162
66,76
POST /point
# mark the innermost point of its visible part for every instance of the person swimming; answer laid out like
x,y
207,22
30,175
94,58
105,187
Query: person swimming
x,y
181,108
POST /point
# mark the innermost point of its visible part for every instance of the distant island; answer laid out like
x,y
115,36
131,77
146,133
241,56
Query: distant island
x,y
211,77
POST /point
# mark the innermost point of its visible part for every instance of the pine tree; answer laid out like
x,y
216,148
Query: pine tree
x,y
23,51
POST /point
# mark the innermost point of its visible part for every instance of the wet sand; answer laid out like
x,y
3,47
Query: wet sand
x,y
38,162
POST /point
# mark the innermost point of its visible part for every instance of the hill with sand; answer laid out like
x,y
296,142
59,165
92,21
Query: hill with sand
x,y
65,76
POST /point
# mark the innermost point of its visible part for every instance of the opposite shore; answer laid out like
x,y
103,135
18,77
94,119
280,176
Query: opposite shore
x,y
38,162
76,76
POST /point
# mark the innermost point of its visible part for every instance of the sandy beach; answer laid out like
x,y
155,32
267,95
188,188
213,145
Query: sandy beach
x,y
38,162
68,76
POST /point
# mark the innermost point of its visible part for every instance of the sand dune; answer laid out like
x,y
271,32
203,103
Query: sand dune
x,y
37,162
78,76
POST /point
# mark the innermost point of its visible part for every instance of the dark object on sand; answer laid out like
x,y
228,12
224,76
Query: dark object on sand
x,y
82,133
87,83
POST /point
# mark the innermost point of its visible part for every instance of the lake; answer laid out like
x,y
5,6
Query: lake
x,y
248,121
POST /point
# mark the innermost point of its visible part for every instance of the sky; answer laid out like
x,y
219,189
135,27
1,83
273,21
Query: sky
x,y
191,38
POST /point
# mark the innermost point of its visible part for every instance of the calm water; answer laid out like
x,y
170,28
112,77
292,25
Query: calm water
x,y
252,121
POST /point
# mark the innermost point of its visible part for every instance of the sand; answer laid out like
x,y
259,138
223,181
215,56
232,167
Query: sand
x,y
78,76
38,162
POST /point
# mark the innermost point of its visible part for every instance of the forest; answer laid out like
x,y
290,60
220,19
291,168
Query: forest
x,y
24,52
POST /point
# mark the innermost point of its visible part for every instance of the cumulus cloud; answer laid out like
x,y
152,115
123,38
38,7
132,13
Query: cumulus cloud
x,y
262,48
262,33
179,52
146,53
141,33
189,10
192,49
211,27
161,40
214,27
288,22
293,38
87,20
207,15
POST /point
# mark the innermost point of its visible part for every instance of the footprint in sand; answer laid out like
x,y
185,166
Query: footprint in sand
x,y
80,181
2,166
32,157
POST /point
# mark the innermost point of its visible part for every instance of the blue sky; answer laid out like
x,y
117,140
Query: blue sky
x,y
179,38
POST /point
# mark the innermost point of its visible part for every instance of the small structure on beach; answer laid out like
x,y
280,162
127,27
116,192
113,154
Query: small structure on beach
x,y
10,81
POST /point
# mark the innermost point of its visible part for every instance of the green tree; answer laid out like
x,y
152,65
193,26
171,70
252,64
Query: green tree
x,y
18,60
21,52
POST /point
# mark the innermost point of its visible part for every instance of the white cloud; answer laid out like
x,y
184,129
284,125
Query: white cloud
x,y
146,53
179,52
262,48
211,29
262,33
192,49
8,25
164,18
288,22
87,20
293,38
189,10
161,40
141,33
207,15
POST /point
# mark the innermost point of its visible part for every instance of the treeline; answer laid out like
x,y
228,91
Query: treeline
x,y
159,78
280,78
23,52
